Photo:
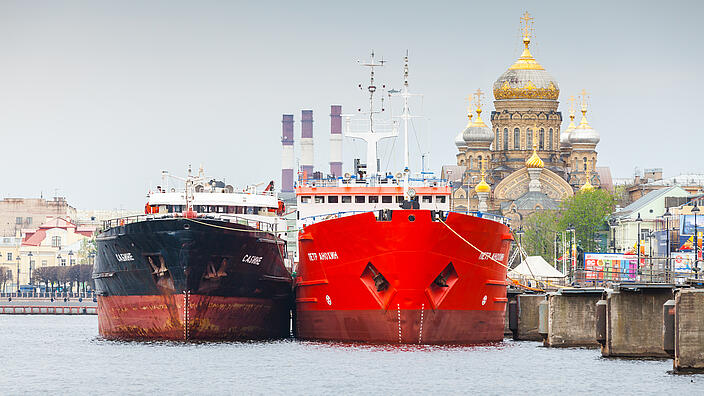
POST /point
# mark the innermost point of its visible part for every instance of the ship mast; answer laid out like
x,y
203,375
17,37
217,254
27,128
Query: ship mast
x,y
406,115
371,137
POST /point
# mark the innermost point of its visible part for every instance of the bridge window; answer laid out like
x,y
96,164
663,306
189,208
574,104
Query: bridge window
x,y
386,199
373,199
427,199
359,199
332,199
440,199
346,199
305,198
399,199
319,199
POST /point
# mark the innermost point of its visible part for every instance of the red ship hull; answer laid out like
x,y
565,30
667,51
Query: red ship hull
x,y
191,317
436,289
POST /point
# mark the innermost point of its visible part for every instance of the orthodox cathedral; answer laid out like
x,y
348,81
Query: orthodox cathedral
x,y
525,161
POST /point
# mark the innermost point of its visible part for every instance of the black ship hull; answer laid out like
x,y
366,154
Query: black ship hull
x,y
180,278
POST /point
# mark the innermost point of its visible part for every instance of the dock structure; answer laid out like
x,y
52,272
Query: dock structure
x,y
527,321
689,330
47,310
629,322
570,318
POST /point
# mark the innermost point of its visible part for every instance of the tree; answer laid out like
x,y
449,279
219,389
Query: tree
x,y
42,275
539,233
5,276
587,211
88,249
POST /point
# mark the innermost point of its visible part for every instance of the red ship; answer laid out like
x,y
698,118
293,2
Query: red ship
x,y
382,259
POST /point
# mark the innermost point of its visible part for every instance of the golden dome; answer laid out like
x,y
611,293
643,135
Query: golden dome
x,y
526,78
587,186
534,161
483,186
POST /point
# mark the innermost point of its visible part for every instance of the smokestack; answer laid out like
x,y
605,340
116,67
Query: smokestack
x,y
335,140
307,143
287,153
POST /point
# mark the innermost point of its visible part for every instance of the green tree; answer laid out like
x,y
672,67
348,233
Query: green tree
x,y
587,211
539,232
88,249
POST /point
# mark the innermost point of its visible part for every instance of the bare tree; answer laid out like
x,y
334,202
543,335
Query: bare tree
x,y
5,276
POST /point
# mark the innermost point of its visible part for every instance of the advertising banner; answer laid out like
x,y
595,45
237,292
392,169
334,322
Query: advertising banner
x,y
609,266
683,263
687,224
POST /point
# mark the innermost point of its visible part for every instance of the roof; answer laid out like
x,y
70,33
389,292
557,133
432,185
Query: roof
x,y
457,172
57,222
536,267
686,179
652,196
35,239
530,200
605,180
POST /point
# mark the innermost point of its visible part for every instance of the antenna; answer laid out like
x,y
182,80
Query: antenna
x,y
371,137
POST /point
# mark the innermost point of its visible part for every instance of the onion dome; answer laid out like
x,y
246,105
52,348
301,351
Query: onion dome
x,y
584,133
482,186
526,79
587,186
459,139
534,160
565,135
478,132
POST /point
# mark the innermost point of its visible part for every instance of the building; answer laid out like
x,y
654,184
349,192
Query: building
x,y
652,180
17,214
529,162
643,216
55,242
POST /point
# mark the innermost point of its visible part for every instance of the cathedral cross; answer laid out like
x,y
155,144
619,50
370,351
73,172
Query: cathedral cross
x,y
478,94
526,22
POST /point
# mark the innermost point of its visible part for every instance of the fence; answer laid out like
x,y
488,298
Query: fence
x,y
46,310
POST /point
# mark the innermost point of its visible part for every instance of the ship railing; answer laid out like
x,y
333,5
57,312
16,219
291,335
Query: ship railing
x,y
328,216
258,224
379,181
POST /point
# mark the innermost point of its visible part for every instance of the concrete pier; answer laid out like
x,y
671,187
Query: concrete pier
x,y
528,317
571,318
689,330
512,295
633,323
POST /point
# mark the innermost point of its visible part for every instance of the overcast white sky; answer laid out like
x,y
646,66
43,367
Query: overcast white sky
x,y
96,98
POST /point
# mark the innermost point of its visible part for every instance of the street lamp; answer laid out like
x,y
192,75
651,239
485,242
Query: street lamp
x,y
18,274
30,267
667,215
695,210
70,257
573,242
638,221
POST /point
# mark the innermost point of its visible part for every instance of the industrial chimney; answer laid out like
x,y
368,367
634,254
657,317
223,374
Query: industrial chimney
x,y
287,157
307,143
336,140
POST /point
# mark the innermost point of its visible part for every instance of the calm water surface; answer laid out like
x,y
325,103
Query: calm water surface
x,y
65,355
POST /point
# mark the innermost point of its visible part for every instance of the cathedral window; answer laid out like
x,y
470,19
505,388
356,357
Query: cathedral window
x,y
585,164
479,162
550,138
529,139
516,139
496,141
505,138
541,141
469,164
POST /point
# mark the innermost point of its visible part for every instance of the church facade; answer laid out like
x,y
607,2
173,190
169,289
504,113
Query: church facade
x,y
524,161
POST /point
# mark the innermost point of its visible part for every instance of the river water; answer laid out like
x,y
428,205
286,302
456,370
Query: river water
x,y
65,355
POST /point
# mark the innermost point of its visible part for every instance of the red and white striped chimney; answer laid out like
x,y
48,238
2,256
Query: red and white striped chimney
x,y
336,140
307,143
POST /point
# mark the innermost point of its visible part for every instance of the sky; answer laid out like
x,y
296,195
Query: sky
x,y
96,98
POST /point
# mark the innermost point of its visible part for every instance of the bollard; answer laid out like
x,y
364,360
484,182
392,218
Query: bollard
x,y
601,322
543,310
668,331
513,317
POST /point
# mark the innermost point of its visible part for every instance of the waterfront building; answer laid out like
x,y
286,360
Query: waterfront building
x,y
531,162
17,214
56,242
